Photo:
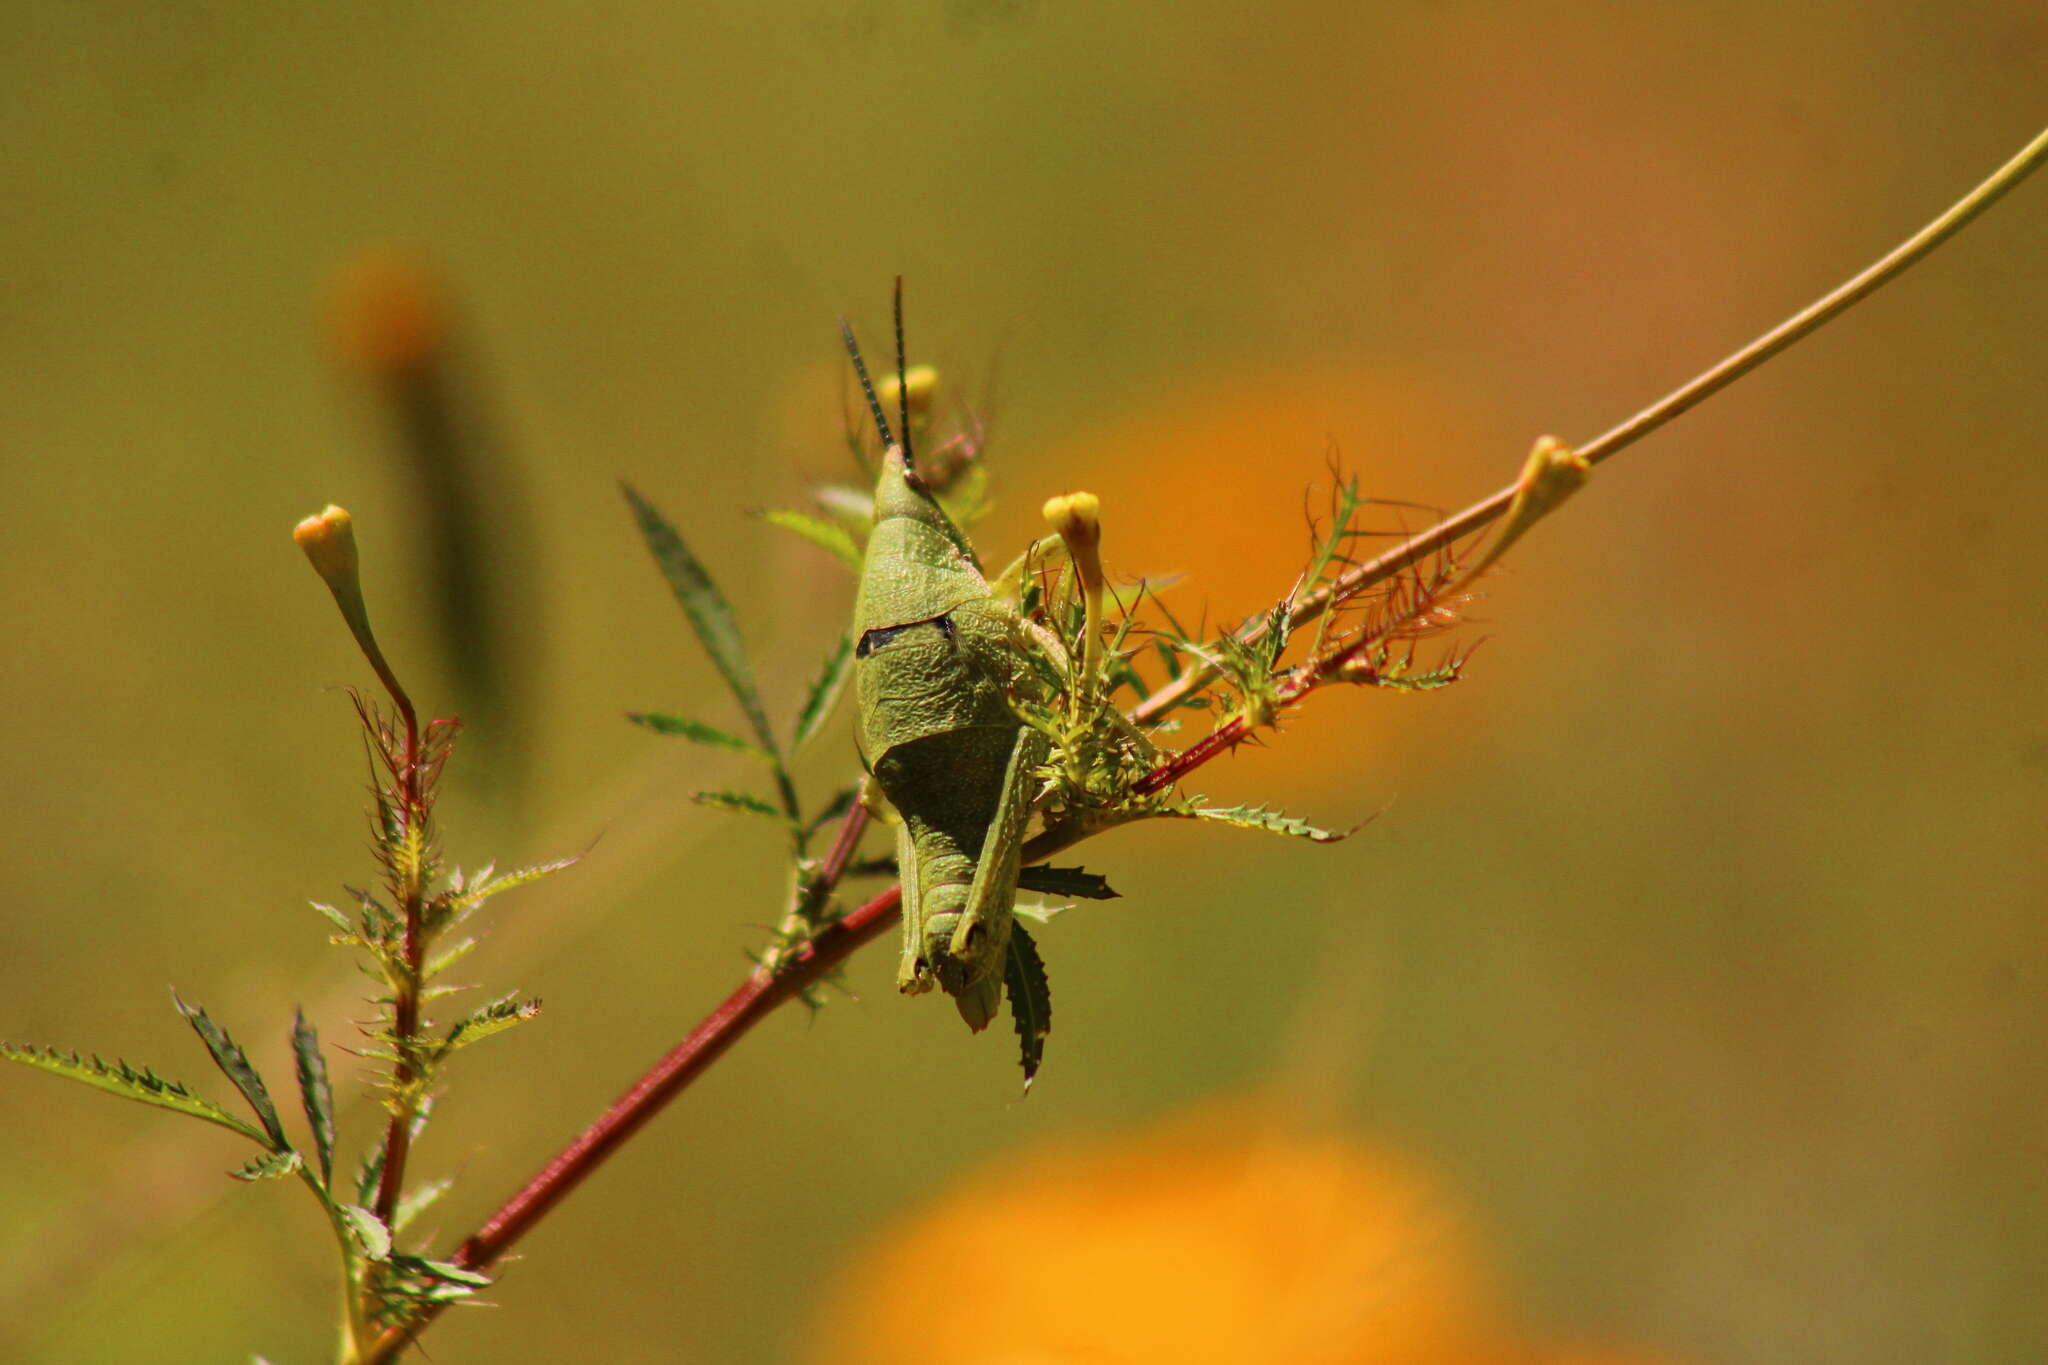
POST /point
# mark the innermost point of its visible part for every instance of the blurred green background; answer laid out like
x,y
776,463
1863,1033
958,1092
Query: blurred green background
x,y
1700,943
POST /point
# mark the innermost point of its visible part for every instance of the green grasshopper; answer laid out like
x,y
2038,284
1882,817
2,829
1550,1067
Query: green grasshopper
x,y
939,655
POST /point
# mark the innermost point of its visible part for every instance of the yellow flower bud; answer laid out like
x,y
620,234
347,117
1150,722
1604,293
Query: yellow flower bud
x,y
1078,519
329,540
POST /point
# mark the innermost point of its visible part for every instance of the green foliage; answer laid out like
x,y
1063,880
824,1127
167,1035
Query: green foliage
x,y
235,1065
1065,881
315,1093
1030,998
710,615
366,1231
823,696
119,1078
270,1166
738,801
830,536
1270,821
486,1020
696,731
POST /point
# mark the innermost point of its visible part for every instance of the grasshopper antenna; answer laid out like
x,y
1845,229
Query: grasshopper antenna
x,y
866,385
902,381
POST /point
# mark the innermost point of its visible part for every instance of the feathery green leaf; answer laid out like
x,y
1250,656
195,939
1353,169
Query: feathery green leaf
x,y
119,1078
1065,881
465,895
824,694
367,1230
696,731
334,916
269,1166
739,801
235,1065
370,1174
315,1092
830,537
485,1020
1270,820
710,614
418,1201
1030,1001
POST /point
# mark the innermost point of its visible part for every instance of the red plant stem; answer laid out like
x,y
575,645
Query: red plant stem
x,y
756,998
705,1044
405,1006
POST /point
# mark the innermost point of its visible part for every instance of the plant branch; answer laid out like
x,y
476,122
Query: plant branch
x,y
808,962
1481,514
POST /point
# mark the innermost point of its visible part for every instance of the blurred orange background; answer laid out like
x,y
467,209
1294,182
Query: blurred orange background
x,y
1697,951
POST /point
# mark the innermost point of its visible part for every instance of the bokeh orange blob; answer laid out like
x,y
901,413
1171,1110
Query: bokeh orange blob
x,y
387,313
1216,486
1215,1236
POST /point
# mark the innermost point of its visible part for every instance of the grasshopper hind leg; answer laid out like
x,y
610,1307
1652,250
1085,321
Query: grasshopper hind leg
x,y
913,972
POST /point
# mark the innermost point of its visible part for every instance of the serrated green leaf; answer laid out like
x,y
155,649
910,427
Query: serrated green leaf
x,y
485,1020
830,537
315,1093
370,1174
1271,821
367,1230
119,1078
739,801
419,1201
696,731
269,1166
1065,881
709,613
335,917
235,1065
823,697
463,896
420,1281
1030,1001
458,1274
448,957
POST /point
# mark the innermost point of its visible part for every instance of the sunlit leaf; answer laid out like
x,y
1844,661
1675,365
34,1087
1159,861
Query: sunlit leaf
x,y
315,1092
696,731
235,1065
828,536
269,1166
709,613
1269,820
738,801
824,694
119,1078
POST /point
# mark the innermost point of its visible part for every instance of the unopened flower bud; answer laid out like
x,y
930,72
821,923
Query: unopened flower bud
x,y
1078,519
329,540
